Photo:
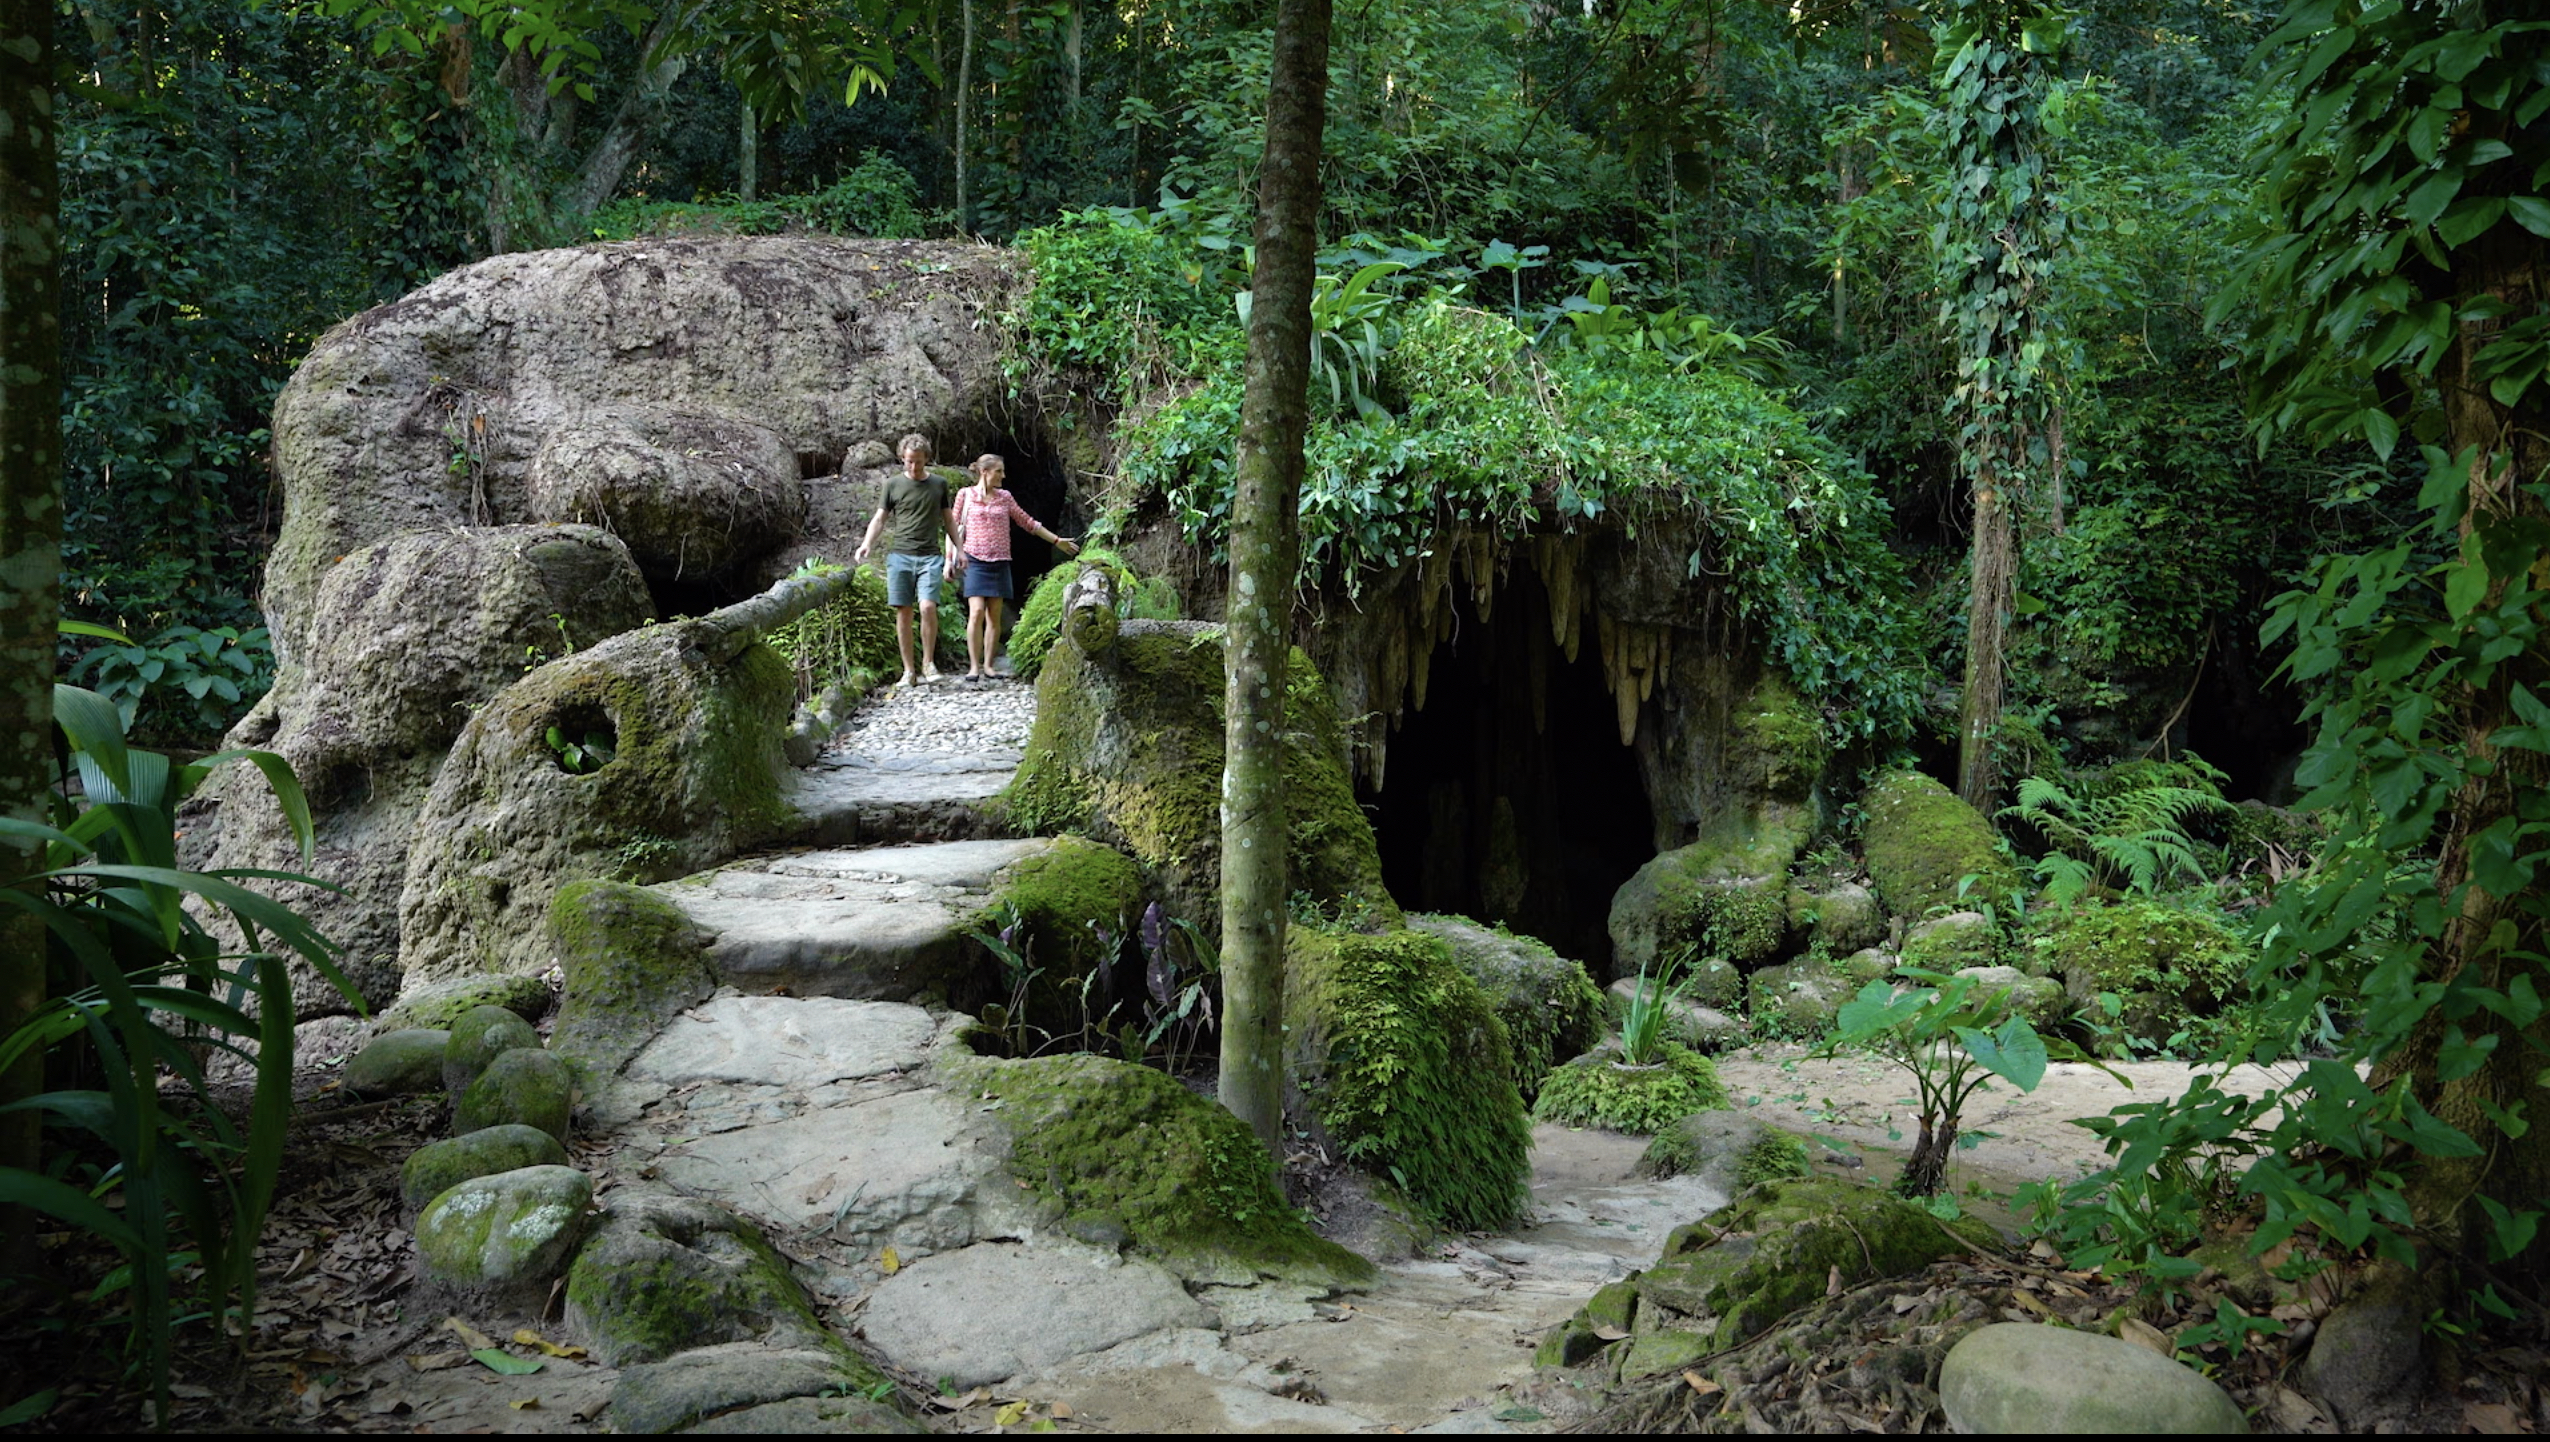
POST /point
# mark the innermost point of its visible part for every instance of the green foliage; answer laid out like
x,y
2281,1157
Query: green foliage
x,y
1601,1089
2130,826
1653,1004
193,682
845,642
1119,299
877,197
139,983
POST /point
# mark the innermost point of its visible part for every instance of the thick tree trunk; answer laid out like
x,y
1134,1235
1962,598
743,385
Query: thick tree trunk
x,y
1274,416
30,530
1987,616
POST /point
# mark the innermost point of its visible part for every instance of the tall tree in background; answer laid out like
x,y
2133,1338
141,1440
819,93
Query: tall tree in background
x,y
30,523
1265,550
1999,233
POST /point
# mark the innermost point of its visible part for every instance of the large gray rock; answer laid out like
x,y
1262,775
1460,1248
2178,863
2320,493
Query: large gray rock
x,y
1727,901
1843,915
407,634
478,1037
992,1311
2369,1348
398,1063
666,1274
848,1414
1799,998
682,1389
528,1087
696,497
437,1167
505,1230
794,1043
1548,1003
2015,1378
1952,942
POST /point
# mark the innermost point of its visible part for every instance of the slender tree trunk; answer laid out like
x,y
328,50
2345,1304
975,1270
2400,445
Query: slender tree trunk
x,y
30,533
964,90
1071,52
1987,617
748,156
1274,416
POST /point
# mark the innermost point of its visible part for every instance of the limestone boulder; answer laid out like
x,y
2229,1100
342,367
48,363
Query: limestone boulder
x,y
1727,1150
2038,998
1724,907
1799,998
722,1388
2025,1379
398,1063
665,1274
1548,1003
632,961
1922,845
530,1087
478,1036
405,636
993,1310
1952,942
507,1230
696,497
437,1167
1843,915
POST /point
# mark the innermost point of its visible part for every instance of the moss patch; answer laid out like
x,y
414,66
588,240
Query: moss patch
x,y
1776,738
1550,1007
632,962
1702,1142
1069,892
1397,1055
2170,967
1729,901
1594,1090
1921,842
674,1274
1125,1151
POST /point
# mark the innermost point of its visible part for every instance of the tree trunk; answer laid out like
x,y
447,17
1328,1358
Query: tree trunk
x,y
748,156
964,88
1987,615
30,533
1274,416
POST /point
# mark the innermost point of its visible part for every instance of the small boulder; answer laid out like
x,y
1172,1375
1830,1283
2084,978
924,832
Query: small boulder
x,y
1799,998
437,1167
712,1382
527,1087
478,1037
632,960
1729,902
1548,1003
511,1228
398,1063
445,1002
2369,1347
2024,1378
1922,843
1727,1150
1702,1028
1843,915
2038,998
1952,942
667,1274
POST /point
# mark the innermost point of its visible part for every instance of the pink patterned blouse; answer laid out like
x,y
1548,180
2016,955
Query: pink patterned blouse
x,y
985,524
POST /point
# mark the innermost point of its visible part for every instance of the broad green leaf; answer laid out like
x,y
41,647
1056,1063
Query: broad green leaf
x,y
505,1363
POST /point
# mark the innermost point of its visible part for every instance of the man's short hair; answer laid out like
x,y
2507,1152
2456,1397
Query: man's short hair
x,y
916,440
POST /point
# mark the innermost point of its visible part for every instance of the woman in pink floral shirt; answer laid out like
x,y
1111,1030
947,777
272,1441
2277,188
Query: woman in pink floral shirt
x,y
984,513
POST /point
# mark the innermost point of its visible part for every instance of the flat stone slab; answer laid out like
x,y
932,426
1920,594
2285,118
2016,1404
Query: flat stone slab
x,y
878,801
878,924
906,1170
992,1311
792,1042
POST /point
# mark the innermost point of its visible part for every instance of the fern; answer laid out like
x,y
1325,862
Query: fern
x,y
2128,828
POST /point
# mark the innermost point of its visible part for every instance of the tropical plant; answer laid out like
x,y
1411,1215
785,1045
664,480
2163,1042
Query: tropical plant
x,y
1912,1027
1653,1002
147,986
2132,832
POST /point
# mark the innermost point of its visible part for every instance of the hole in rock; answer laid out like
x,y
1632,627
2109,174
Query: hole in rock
x,y
582,738
1495,809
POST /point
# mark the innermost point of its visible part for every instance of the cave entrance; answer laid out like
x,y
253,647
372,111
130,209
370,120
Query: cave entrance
x,y
1035,477
1507,806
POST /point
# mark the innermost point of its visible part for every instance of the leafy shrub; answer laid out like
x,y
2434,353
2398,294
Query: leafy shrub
x,y
1119,298
2126,826
184,683
876,198
833,643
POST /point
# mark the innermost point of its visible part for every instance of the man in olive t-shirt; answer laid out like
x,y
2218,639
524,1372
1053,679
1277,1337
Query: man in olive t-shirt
x,y
914,511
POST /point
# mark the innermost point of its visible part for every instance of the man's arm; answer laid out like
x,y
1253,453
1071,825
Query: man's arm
x,y
868,542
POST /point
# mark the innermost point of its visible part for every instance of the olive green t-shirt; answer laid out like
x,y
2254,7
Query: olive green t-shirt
x,y
912,513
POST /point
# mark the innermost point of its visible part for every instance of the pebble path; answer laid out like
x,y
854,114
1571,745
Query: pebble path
x,y
942,720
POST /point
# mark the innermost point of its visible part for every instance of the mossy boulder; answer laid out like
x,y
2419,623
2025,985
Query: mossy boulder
x,y
2165,965
691,714
755,1389
1132,1159
1728,902
1074,896
1702,1028
1398,1057
1841,916
513,1228
439,1004
1726,1278
1799,998
1127,748
437,1167
1599,1089
529,1087
398,1063
1921,844
2038,998
1550,1007
1952,942
1728,1150
478,1036
665,1274
632,962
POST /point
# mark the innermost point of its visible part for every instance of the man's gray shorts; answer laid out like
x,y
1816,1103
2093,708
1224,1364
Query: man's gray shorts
x,y
906,576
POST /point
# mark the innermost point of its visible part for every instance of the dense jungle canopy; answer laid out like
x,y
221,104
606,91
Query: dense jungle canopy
x,y
2122,413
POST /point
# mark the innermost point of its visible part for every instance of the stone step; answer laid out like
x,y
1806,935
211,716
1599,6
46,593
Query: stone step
x,y
882,923
861,799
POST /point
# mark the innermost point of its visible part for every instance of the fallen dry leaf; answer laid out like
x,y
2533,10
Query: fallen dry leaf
x,y
1010,1416
2494,1419
2144,1334
437,1361
1701,1385
962,1400
524,1404
529,1338
470,1336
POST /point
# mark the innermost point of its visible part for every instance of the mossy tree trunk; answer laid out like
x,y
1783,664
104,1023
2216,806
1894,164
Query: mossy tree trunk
x,y
30,530
1274,415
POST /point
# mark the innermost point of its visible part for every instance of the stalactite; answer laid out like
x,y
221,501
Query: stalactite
x,y
1420,661
1625,699
1650,640
1391,694
1607,639
1377,752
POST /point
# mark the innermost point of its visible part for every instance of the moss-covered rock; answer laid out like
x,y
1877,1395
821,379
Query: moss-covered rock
x,y
632,962
1397,1056
398,1063
1076,897
528,1087
1134,1159
1952,942
664,1274
1550,1007
2167,965
1728,1150
504,1230
1599,1090
1128,748
1727,901
693,720
478,1036
439,1004
2038,998
1799,998
1040,618
1921,842
437,1167
1840,916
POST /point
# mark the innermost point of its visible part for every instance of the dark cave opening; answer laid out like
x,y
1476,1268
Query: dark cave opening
x,y
1499,809
1035,476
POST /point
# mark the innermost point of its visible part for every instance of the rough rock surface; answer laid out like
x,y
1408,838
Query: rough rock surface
x,y
438,1005
2038,998
695,497
526,1087
478,1036
398,1063
991,1310
918,763
1548,1003
506,1229
2029,1379
701,1383
1922,844
1727,1150
408,634
665,1274
1952,942
631,963
437,1167
1726,901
